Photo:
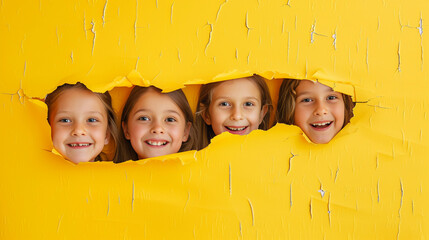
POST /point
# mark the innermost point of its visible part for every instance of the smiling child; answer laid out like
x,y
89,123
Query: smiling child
x,y
317,109
237,106
155,124
82,122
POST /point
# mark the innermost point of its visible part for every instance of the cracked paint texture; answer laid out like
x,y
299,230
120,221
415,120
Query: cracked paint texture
x,y
369,182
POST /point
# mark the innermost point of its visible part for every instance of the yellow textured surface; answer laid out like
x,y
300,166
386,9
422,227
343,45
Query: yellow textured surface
x,y
369,182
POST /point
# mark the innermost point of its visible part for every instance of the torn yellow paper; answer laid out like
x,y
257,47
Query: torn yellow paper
x,y
369,182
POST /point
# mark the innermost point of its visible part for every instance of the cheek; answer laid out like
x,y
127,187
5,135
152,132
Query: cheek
x,y
57,134
217,118
135,131
299,116
177,133
99,131
339,112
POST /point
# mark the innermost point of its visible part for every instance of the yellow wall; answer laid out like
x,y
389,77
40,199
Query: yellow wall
x,y
373,174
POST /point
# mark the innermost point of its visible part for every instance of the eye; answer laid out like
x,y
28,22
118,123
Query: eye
x,y
92,120
170,119
249,104
224,104
332,97
306,100
144,118
64,120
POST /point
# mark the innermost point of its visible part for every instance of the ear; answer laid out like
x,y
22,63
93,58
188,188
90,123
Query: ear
x,y
107,139
263,112
125,129
206,117
187,131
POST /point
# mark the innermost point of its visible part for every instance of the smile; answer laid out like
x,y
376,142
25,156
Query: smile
x,y
321,125
79,144
156,143
236,128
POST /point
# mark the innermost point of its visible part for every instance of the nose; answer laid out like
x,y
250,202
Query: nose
x,y
321,108
157,127
79,129
237,114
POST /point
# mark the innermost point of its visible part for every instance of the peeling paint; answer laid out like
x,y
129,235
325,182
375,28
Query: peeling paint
x,y
59,223
104,13
251,210
329,209
283,26
313,32
132,198
171,13
94,36
247,24
210,38
137,63
402,198
336,175
322,192
220,8
378,191
290,162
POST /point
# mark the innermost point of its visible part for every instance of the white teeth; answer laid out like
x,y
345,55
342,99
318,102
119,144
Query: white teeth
x,y
320,124
236,129
79,144
157,143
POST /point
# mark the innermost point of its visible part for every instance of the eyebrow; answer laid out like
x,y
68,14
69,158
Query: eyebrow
x,y
307,92
147,110
90,112
247,97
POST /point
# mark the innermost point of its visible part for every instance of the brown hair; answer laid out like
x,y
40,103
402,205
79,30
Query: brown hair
x,y
205,132
105,98
286,103
126,150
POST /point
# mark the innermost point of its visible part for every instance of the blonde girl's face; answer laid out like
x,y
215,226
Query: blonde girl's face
x,y
156,126
319,111
79,125
235,107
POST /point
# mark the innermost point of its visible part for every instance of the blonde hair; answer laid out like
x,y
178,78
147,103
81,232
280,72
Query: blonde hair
x,y
105,98
205,132
286,103
127,152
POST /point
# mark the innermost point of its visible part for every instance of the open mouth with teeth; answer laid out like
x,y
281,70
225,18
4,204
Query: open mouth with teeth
x,y
79,145
321,125
236,130
156,143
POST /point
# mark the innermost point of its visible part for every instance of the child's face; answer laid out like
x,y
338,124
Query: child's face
x,y
79,125
235,107
156,126
319,111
